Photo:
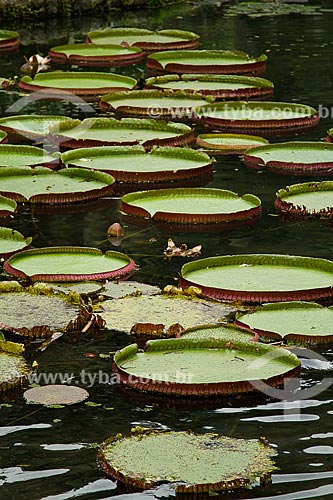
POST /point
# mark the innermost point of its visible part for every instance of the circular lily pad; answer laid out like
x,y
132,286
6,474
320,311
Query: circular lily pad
x,y
86,84
258,117
307,199
296,158
29,127
12,241
41,186
92,54
193,207
178,105
12,155
8,207
261,277
206,61
294,322
188,367
93,132
218,332
9,40
56,395
3,137
146,39
194,463
132,164
69,264
228,144
218,86
13,367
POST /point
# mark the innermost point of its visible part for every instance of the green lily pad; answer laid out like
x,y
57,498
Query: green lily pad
x,y
146,39
84,288
193,206
56,394
127,131
218,86
128,289
295,322
9,40
260,277
8,207
194,463
257,10
12,241
12,155
256,116
40,186
227,144
188,367
29,127
306,199
13,367
178,105
218,332
69,264
80,83
92,54
297,158
206,61
132,164
3,137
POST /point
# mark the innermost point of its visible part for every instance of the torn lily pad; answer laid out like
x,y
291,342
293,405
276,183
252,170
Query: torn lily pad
x,y
13,367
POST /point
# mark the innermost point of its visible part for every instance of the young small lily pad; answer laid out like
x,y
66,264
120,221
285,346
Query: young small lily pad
x,y
56,394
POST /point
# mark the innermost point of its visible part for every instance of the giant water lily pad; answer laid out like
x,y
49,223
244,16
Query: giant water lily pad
x,y
12,241
93,132
228,144
9,40
87,84
146,39
261,277
29,127
56,394
196,206
258,117
194,463
13,367
132,164
294,322
12,155
178,105
306,199
188,367
3,137
206,61
92,54
257,10
7,207
41,186
69,264
226,332
297,158
218,86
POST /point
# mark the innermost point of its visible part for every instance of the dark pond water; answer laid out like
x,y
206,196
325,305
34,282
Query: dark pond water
x,y
50,454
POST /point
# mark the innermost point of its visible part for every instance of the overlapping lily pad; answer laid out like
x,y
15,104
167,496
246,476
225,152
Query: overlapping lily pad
x,y
228,144
12,241
13,367
261,277
293,322
146,39
8,207
218,86
29,127
297,158
3,137
93,132
12,155
192,463
9,40
206,61
42,186
92,54
159,104
193,207
69,264
188,367
259,117
132,164
85,84
306,199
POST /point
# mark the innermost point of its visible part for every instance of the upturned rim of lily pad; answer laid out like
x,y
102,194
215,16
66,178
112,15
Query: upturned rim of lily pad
x,y
253,160
247,65
186,39
329,137
257,88
10,40
14,238
128,267
16,350
204,141
185,134
130,55
39,156
3,137
261,467
294,210
8,207
185,386
323,293
17,134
